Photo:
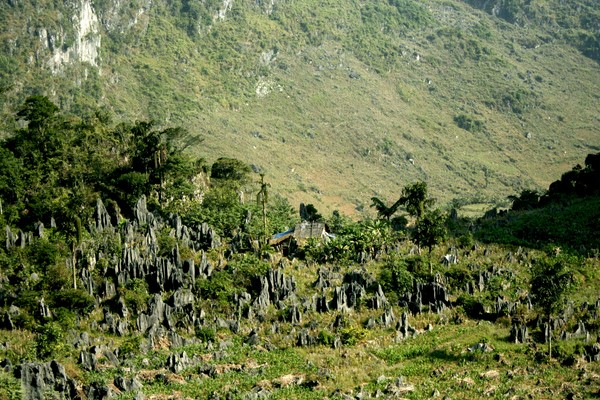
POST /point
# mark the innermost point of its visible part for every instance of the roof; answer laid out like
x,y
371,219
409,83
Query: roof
x,y
302,231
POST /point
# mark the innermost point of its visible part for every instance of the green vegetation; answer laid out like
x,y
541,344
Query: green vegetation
x,y
325,96
139,191
551,282
311,354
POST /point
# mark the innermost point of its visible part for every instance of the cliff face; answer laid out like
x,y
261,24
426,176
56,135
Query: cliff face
x,y
86,42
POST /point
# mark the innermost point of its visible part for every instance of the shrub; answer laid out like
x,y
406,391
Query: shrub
x,y
466,241
75,300
10,387
326,338
469,124
395,279
205,334
219,287
473,308
419,267
458,275
49,340
131,346
135,295
352,335
246,269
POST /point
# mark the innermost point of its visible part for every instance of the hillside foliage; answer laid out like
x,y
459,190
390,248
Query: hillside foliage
x,y
462,94
117,296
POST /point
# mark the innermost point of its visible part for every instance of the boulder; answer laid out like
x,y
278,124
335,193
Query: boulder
x,y
519,333
43,380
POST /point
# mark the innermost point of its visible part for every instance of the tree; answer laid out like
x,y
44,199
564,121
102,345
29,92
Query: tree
x,y
415,199
309,213
430,229
230,170
156,154
384,211
527,200
37,111
551,282
262,198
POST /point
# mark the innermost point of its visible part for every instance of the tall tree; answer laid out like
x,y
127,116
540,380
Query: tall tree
x,y
551,282
384,211
262,198
416,199
430,229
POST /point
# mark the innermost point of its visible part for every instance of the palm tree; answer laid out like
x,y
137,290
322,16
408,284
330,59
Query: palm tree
x,y
384,211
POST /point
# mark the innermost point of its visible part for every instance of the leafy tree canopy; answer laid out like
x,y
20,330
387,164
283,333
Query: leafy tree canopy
x,y
416,199
430,229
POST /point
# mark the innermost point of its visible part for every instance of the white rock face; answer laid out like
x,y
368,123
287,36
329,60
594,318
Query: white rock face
x,y
86,46
269,6
225,8
263,87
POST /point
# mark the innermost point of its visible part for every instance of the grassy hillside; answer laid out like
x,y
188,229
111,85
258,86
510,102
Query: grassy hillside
x,y
335,101
119,279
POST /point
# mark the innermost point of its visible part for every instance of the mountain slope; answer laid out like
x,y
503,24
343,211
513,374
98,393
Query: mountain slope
x,y
335,101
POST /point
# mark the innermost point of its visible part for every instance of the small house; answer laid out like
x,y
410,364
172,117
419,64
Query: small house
x,y
291,239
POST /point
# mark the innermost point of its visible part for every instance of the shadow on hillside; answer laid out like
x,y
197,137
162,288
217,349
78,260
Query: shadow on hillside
x,y
445,355
573,227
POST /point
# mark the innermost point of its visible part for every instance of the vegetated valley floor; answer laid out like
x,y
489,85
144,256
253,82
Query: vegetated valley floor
x,y
202,327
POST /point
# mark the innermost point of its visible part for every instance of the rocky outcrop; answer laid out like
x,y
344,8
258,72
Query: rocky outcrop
x,y
41,380
519,333
275,287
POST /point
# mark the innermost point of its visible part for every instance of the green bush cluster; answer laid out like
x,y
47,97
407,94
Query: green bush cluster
x,y
135,295
395,279
469,123
351,335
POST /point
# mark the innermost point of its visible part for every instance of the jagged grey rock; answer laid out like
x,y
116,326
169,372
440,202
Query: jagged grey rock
x,y
304,339
40,380
178,362
252,339
98,391
388,318
43,311
275,288
6,322
404,330
87,360
127,384
379,301
102,216
11,238
519,333
593,352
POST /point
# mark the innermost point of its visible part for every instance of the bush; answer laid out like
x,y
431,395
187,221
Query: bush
x,y
326,338
131,346
75,300
219,287
49,340
10,387
466,241
469,124
395,279
246,270
473,307
352,335
418,266
135,295
458,275
205,334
